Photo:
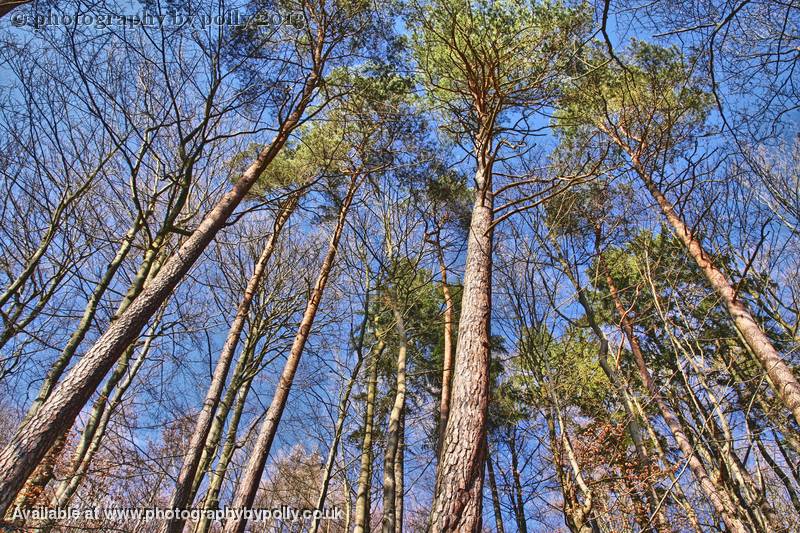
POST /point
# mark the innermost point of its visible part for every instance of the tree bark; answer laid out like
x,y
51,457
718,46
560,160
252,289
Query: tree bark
x,y
248,484
41,477
719,500
574,514
32,439
399,474
182,495
7,5
389,524
498,512
211,499
457,504
342,414
581,512
96,427
778,471
447,351
723,442
238,389
780,373
362,518
519,507
55,372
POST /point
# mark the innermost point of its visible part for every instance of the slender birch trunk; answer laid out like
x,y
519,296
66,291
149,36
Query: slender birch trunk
x,y
581,511
757,507
498,513
60,364
239,383
389,524
519,504
718,464
447,351
575,513
211,500
759,510
245,370
779,473
348,504
399,474
779,422
342,414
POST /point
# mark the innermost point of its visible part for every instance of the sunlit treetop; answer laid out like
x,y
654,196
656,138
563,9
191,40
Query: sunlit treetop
x,y
356,133
480,59
654,102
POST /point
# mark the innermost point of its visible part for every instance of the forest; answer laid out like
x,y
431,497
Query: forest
x,y
400,265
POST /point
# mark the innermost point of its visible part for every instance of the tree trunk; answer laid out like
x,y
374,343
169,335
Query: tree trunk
x,y
7,5
238,388
248,484
719,500
399,473
348,503
692,414
389,524
519,505
342,414
96,427
581,512
144,273
620,384
498,512
677,490
755,396
245,370
574,516
55,372
32,439
211,499
41,477
181,498
447,351
779,372
724,441
457,504
362,519
778,471
331,459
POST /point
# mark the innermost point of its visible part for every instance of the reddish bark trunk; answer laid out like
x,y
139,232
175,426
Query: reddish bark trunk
x,y
248,485
722,505
183,487
780,373
458,497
